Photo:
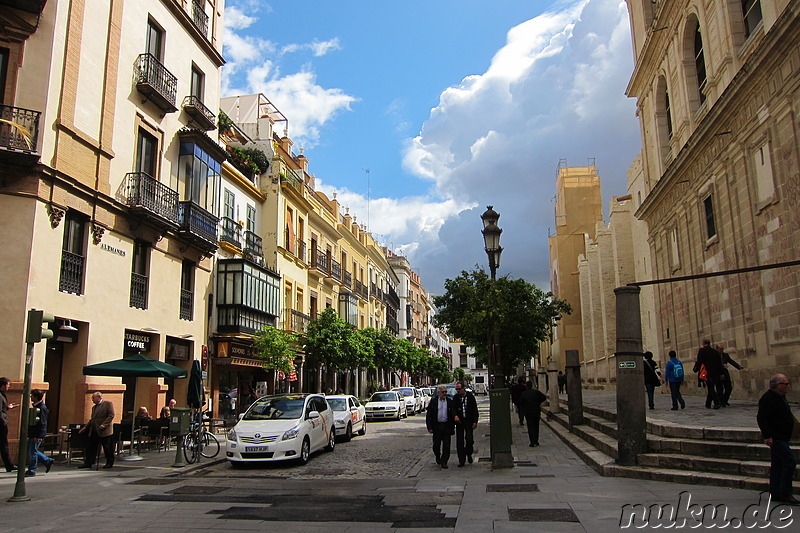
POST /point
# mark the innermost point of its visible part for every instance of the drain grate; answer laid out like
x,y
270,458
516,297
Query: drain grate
x,y
197,489
153,481
512,487
542,515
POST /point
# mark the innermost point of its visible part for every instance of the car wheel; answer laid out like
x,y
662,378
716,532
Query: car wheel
x,y
331,440
363,430
348,433
305,452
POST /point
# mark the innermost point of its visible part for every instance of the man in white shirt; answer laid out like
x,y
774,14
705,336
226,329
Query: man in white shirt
x,y
440,423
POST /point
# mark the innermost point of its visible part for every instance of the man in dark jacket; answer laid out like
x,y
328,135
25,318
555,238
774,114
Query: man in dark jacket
x,y
439,421
4,407
466,419
531,402
776,422
727,384
36,433
516,393
710,358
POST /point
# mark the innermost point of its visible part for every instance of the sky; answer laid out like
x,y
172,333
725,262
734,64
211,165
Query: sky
x,y
419,114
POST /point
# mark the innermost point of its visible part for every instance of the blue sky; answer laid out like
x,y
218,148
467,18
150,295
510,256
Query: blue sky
x,y
451,105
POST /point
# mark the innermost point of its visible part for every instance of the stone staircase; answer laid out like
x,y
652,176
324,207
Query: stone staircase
x,y
730,457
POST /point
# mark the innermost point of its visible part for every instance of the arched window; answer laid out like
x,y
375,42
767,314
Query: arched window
x,y
699,63
663,118
751,11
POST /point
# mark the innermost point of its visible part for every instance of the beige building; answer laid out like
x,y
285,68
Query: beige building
x,y
108,191
717,92
578,209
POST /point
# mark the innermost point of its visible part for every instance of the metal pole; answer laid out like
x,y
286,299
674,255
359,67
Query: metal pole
x,y
630,377
22,455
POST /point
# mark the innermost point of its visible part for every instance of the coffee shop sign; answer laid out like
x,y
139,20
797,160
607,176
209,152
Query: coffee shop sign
x,y
136,341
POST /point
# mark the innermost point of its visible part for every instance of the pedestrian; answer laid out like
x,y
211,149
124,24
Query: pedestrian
x,y
516,392
532,400
674,375
727,382
167,409
4,407
710,358
562,382
439,421
652,379
143,415
99,430
776,422
36,433
466,419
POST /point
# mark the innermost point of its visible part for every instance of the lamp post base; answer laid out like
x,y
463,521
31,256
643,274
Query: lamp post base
x,y
500,429
502,460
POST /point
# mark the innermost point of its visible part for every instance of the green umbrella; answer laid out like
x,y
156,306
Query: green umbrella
x,y
135,366
196,395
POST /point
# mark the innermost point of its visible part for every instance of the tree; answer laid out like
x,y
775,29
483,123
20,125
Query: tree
x,y
522,313
328,343
438,369
276,348
458,374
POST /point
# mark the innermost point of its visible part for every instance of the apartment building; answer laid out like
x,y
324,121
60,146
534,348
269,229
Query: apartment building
x,y
109,191
716,85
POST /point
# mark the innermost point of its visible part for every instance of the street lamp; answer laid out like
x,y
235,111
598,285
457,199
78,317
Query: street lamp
x,y
499,413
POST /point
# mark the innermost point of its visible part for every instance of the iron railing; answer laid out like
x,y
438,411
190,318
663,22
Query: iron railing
x,y
144,191
253,244
71,279
336,269
320,262
197,221
202,115
301,250
138,291
187,305
348,279
156,82
200,17
20,129
361,290
295,321
230,231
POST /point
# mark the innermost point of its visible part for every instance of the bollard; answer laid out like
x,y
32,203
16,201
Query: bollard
x,y
631,425
574,392
552,386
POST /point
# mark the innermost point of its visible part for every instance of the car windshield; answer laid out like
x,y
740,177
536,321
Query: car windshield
x,y
276,408
406,392
338,404
384,397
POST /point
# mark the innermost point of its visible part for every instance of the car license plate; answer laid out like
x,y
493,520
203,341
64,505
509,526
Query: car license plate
x,y
256,449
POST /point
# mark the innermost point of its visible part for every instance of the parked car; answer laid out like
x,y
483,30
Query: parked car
x,y
277,428
412,399
349,414
386,404
426,399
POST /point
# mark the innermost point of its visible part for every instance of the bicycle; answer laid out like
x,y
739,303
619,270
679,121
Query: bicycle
x,y
199,441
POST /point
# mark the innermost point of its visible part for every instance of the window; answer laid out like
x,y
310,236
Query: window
x,y
198,80
139,280
751,11
674,256
229,209
187,290
199,172
763,169
669,114
4,54
251,218
155,40
146,154
73,253
248,297
711,226
699,63
663,119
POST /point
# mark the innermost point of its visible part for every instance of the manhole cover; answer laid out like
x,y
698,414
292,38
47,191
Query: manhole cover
x,y
542,515
153,481
513,487
197,489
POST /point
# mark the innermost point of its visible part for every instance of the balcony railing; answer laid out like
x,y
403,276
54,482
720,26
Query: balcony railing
x,y
187,305
156,82
320,262
230,232
71,273
203,117
348,279
197,224
19,130
200,18
301,250
361,290
253,244
138,291
148,194
295,321
336,269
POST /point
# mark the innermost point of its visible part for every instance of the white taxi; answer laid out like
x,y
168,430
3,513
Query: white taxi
x,y
386,404
277,428
349,414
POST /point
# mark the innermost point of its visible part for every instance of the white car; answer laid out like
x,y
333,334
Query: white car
x,y
423,394
412,399
277,428
350,415
386,404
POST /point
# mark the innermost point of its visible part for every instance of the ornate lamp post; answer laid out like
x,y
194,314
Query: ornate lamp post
x,y
500,414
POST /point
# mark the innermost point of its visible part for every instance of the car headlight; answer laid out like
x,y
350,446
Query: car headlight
x,y
232,435
291,433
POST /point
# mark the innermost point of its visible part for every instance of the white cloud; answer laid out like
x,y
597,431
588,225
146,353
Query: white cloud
x,y
236,20
318,48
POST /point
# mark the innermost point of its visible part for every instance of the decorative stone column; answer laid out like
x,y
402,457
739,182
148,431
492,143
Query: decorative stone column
x,y
574,392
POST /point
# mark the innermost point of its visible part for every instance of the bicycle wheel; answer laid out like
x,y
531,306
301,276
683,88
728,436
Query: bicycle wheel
x,y
209,445
190,448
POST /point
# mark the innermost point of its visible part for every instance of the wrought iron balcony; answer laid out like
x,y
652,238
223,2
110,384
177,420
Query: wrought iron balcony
x,y
295,321
71,279
200,18
138,291
187,305
230,232
253,244
348,279
202,116
155,82
336,269
320,262
19,134
197,225
361,290
301,250
152,199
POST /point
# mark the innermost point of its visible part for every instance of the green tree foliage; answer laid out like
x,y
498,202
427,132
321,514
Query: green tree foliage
x,y
458,374
276,348
523,314
328,341
384,347
438,369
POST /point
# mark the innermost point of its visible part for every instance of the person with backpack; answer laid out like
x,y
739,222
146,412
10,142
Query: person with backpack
x,y
674,375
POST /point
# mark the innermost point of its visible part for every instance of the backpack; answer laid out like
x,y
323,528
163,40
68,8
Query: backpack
x,y
677,371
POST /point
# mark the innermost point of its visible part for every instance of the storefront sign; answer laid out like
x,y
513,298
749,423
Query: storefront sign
x,y
137,342
177,352
236,349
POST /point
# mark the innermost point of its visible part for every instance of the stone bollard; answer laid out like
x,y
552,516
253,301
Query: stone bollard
x,y
552,387
574,393
631,424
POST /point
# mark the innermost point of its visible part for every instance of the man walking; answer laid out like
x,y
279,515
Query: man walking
x,y
4,407
727,384
439,421
776,422
466,419
674,376
99,430
531,401
36,433
710,358
516,392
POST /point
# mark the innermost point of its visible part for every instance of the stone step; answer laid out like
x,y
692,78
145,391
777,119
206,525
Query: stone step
x,y
758,469
593,436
